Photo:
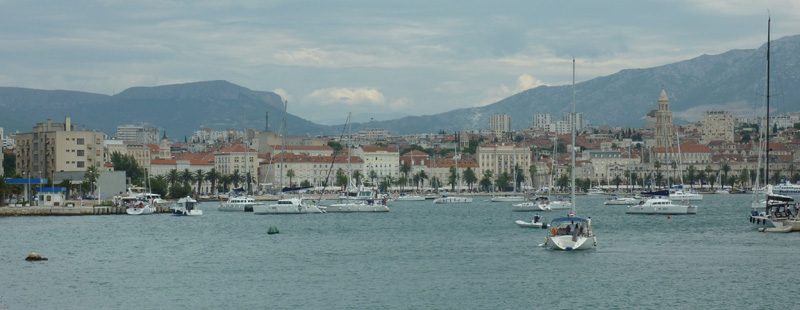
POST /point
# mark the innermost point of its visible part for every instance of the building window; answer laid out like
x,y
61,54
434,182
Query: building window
x,y
80,141
80,152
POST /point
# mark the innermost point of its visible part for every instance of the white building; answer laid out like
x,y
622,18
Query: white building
x,y
500,123
138,134
578,119
383,160
500,158
542,121
718,126
559,127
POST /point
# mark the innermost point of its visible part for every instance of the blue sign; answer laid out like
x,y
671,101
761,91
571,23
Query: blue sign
x,y
52,189
26,181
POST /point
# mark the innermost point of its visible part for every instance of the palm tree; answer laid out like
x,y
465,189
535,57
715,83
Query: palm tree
x,y
502,181
389,181
212,176
357,176
617,181
290,175
92,174
435,184
172,177
725,168
186,176
453,179
657,165
199,176
469,177
488,176
374,177
422,177
405,168
4,188
236,178
224,181
532,171
401,181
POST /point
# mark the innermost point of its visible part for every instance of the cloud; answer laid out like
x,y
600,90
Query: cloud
x,y
284,94
348,96
524,82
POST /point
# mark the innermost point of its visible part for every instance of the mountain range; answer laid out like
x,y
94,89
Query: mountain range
x,y
732,81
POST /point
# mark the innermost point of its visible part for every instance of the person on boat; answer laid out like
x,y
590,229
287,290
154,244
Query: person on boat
x,y
536,218
589,223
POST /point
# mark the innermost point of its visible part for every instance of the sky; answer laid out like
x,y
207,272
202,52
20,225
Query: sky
x,y
377,59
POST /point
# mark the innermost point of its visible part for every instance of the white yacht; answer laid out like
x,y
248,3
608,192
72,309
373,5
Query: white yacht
x,y
595,191
682,195
777,209
661,206
452,199
238,204
405,197
295,205
542,203
623,201
349,206
186,206
508,198
787,188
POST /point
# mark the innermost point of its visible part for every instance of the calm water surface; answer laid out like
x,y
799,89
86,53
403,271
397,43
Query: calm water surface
x,y
418,256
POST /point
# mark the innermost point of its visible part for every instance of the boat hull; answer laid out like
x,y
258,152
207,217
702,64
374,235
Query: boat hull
x,y
452,200
570,243
409,198
667,210
530,225
508,199
140,211
355,207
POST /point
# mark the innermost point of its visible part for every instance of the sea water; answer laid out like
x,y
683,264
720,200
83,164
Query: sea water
x,y
417,256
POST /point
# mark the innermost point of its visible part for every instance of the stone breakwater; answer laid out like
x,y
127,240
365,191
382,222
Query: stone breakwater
x,y
66,211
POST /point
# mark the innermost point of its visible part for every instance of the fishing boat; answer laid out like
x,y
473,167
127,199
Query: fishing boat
x,y
572,232
186,206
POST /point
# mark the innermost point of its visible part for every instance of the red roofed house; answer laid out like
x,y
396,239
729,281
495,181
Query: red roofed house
x,y
235,158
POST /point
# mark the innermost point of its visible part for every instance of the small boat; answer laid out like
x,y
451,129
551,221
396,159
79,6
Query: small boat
x,y
513,198
777,210
452,200
595,191
409,198
542,203
521,223
623,201
140,208
186,206
570,233
295,205
682,195
348,206
661,206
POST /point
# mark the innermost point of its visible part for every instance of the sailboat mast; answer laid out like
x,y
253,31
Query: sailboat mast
x,y
572,129
349,147
766,169
283,133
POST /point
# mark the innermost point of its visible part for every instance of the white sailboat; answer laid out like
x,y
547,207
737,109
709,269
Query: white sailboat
x,y
777,208
572,232
295,205
373,202
446,199
145,202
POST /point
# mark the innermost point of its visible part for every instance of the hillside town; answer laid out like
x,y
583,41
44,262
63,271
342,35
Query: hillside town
x,y
720,152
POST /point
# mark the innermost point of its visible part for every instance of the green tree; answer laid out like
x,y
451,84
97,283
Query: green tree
x,y
186,177
341,179
290,175
224,181
453,178
422,177
373,176
617,181
502,182
213,176
405,168
336,146
9,164
91,175
237,178
128,164
532,171
172,177
691,173
158,185
436,184
469,177
725,168
200,176
402,181
357,176
305,183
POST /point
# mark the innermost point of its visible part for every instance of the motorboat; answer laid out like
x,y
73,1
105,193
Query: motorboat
x,y
521,223
595,191
682,195
140,207
238,204
570,233
787,188
535,223
294,205
624,201
186,206
508,198
777,209
661,206
452,200
347,206
409,198
542,203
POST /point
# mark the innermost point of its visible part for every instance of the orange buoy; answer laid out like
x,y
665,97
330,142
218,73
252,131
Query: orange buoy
x,y
668,216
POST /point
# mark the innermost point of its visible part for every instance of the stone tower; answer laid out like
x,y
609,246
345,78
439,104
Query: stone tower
x,y
663,121
164,151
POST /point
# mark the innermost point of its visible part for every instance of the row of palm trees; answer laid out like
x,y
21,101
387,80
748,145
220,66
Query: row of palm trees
x,y
199,176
